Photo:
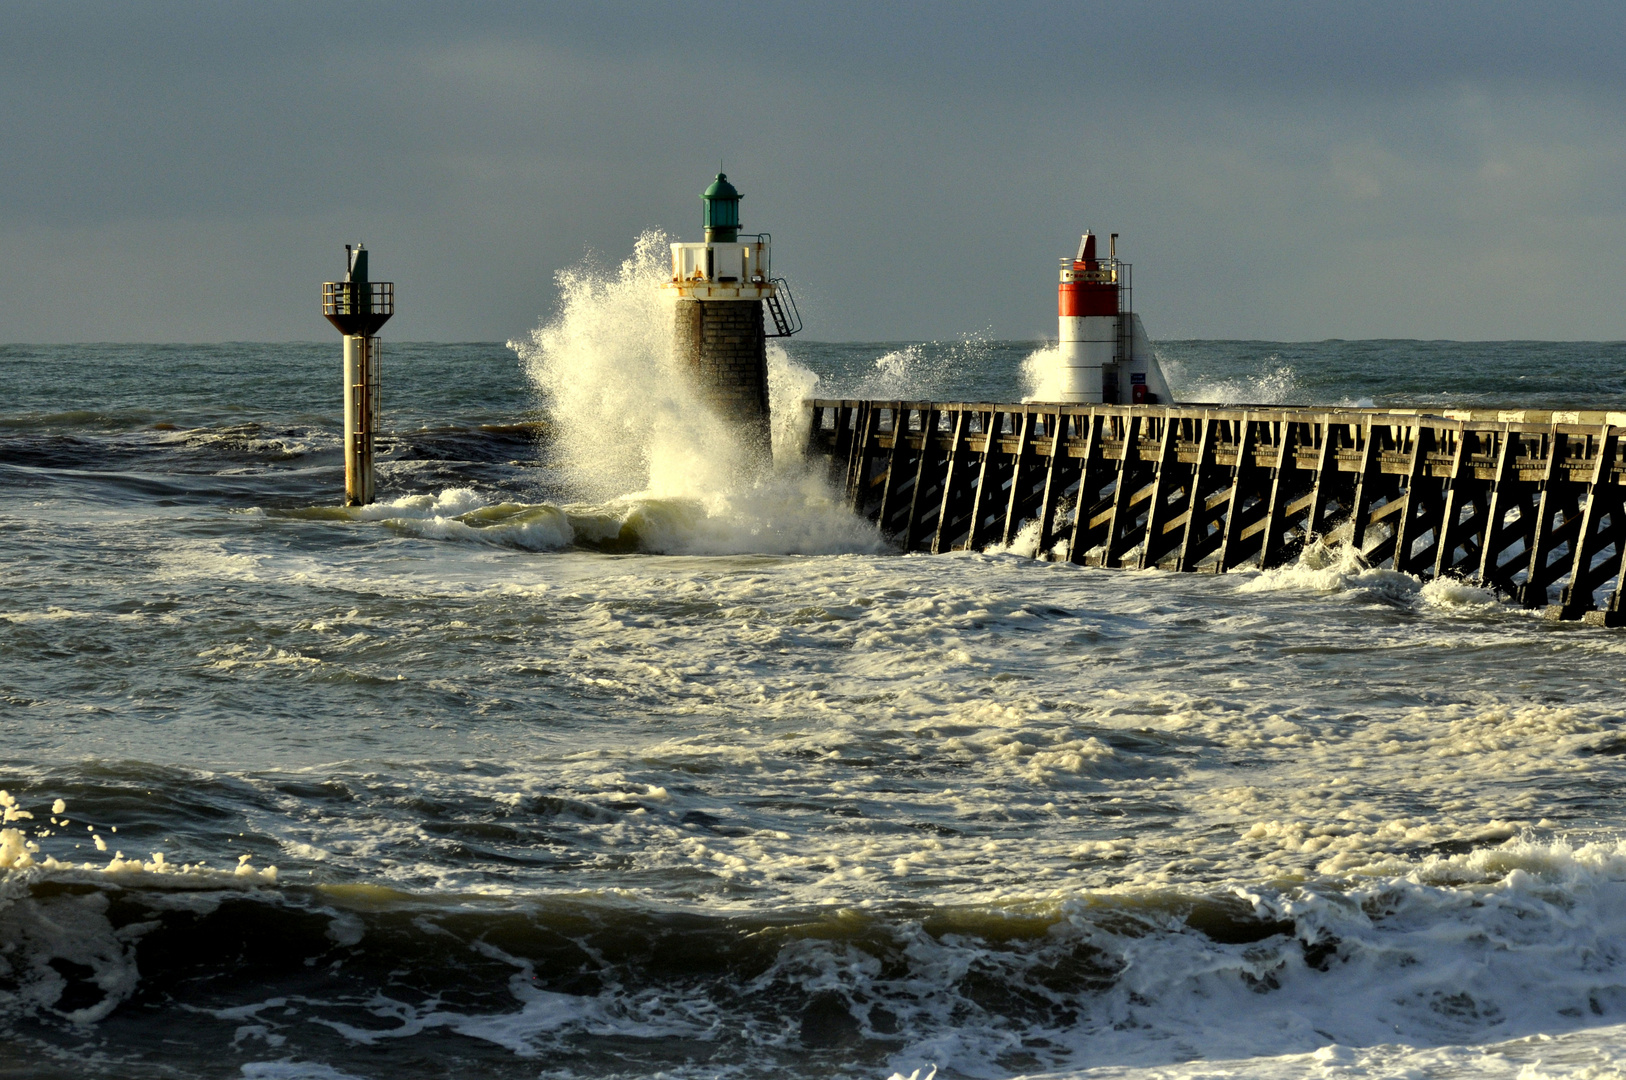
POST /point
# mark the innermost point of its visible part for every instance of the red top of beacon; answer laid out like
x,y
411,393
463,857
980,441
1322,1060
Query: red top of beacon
x,y
1087,288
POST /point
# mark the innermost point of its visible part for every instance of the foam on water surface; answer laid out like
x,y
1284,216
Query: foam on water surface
x,y
787,515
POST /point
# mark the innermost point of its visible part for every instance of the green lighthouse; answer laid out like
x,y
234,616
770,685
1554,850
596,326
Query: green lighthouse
x,y
722,216
727,302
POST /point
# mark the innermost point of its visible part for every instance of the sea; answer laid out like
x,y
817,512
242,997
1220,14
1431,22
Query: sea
x,y
593,749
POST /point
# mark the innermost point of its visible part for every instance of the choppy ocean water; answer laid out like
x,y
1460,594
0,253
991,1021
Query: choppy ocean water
x,y
582,754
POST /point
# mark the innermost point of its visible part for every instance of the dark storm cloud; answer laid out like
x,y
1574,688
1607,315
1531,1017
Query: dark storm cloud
x,y
1277,169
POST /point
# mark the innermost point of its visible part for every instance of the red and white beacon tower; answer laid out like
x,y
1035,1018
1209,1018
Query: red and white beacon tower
x,y
1105,355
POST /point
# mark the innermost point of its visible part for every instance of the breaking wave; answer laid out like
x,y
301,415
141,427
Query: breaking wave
x,y
1339,568
633,441
1041,374
1392,956
928,371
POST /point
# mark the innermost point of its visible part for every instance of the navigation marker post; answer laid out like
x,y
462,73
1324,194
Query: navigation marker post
x,y
357,308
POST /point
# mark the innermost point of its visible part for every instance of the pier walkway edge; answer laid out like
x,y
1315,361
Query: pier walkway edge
x,y
1520,501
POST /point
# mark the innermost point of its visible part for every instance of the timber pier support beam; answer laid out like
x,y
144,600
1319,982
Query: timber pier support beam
x,y
1530,503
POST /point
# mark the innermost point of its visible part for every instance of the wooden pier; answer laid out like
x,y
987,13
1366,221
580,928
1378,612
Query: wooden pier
x,y
1530,503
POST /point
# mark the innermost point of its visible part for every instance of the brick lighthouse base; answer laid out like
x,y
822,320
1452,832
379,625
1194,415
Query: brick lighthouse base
x,y
722,342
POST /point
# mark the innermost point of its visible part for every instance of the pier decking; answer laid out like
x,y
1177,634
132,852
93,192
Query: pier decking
x,y
1521,501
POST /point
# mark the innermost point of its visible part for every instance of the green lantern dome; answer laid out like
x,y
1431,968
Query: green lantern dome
x,y
722,215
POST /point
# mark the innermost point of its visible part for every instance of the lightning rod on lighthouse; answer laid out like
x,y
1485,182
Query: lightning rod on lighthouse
x,y
357,308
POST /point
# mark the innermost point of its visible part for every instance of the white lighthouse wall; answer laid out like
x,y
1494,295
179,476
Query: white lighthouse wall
x,y
1086,348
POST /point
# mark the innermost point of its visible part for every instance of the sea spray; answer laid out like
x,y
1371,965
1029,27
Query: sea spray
x,y
1273,385
1043,377
605,370
922,371
632,437
1042,374
789,383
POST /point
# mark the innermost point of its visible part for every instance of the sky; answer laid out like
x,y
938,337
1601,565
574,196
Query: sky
x,y
1278,171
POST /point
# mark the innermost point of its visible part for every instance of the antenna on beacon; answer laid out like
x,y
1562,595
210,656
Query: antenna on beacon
x,y
357,307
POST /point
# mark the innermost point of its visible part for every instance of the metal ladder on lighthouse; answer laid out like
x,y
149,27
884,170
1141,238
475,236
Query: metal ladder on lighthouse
x,y
786,319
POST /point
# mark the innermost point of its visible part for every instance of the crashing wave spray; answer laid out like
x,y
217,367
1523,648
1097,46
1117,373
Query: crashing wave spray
x,y
1042,374
630,433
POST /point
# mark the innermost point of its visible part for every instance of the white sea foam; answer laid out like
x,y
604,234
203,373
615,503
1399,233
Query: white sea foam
x,y
1404,959
791,513
1455,594
1452,959
1593,1054
1339,569
1332,569
542,527
1516,941
290,1069
1036,688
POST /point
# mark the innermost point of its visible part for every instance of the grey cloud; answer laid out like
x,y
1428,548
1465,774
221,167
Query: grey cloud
x,y
921,165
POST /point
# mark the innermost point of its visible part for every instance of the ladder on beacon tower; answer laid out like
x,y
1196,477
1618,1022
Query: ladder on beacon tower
x,y
781,307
